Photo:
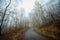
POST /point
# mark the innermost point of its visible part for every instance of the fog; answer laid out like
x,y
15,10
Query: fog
x,y
23,11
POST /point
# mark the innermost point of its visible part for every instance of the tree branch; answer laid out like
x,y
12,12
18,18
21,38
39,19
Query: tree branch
x,y
4,16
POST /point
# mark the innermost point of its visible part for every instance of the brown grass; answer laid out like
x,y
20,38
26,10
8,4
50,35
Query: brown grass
x,y
16,34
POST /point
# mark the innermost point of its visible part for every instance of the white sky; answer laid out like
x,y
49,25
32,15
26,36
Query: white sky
x,y
27,5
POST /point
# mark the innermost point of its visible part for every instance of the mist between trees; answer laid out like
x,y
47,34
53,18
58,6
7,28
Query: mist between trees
x,y
13,15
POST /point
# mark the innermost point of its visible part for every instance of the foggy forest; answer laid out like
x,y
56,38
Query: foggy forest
x,y
29,19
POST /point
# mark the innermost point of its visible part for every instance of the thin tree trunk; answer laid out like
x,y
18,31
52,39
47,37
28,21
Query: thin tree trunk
x,y
4,16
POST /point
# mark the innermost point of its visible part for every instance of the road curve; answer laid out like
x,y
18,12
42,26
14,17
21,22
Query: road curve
x,y
32,35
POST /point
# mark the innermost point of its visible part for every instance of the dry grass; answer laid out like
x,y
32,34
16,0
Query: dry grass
x,y
16,34
48,31
52,30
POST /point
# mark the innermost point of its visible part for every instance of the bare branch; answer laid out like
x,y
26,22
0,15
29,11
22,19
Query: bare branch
x,y
4,16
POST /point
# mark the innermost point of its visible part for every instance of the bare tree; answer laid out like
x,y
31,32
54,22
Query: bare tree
x,y
38,14
3,16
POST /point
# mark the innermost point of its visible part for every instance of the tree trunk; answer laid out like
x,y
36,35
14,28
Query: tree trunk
x,y
4,16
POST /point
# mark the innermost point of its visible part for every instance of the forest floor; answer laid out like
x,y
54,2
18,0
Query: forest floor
x,y
49,32
21,32
17,34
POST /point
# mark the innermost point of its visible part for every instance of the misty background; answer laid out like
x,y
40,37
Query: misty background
x,y
28,13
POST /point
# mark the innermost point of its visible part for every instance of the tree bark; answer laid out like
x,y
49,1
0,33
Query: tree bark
x,y
4,16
